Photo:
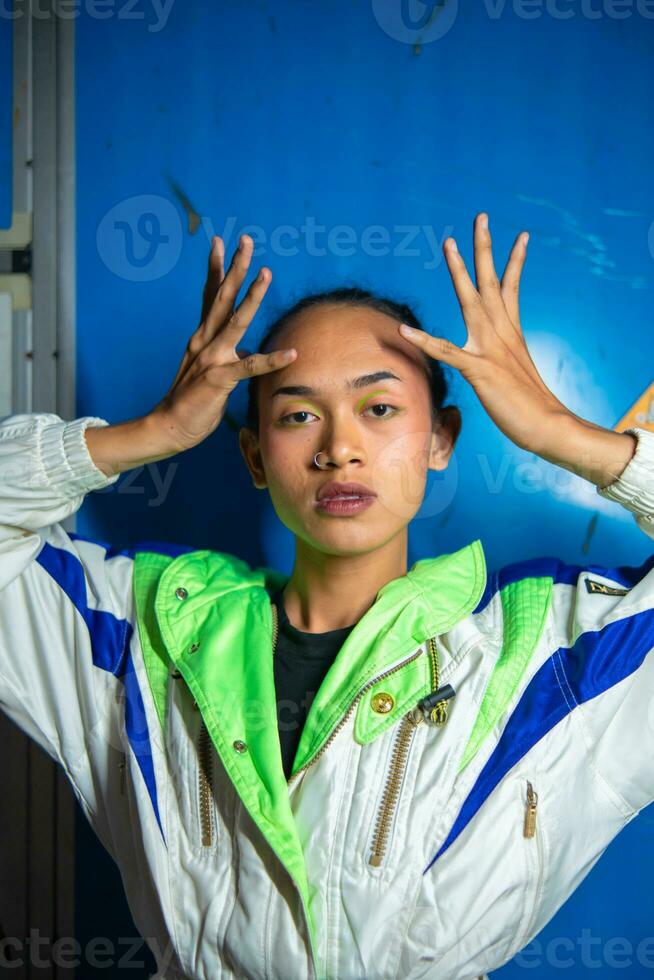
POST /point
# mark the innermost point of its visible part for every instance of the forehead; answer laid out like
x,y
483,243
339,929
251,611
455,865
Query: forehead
x,y
333,341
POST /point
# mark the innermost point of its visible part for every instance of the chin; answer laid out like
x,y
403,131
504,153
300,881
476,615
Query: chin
x,y
347,540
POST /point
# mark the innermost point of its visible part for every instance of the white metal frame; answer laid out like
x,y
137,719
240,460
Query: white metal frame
x,y
37,813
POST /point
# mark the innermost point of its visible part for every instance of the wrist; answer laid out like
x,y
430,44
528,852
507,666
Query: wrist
x,y
126,445
597,454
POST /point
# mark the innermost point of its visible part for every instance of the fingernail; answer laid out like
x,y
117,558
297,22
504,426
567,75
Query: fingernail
x,y
405,328
453,245
483,221
525,238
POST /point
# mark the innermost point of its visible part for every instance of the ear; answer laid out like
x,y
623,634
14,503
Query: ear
x,y
445,432
249,445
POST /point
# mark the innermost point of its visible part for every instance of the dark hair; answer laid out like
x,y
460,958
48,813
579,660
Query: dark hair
x,y
349,296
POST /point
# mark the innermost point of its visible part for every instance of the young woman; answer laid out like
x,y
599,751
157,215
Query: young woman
x,y
459,747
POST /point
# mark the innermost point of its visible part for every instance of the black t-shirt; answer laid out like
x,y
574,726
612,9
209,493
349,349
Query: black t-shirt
x,y
301,662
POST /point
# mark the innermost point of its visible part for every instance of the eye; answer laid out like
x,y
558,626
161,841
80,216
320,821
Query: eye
x,y
292,415
383,405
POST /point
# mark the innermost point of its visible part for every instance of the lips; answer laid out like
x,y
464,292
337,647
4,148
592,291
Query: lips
x,y
330,491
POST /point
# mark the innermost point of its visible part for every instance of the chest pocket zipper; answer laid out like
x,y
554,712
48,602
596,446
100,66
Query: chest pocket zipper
x,y
532,830
205,787
529,828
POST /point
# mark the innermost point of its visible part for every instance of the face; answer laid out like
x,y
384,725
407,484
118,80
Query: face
x,y
367,409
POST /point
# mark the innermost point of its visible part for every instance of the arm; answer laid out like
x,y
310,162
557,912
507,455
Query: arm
x,y
66,608
601,621
51,587
634,486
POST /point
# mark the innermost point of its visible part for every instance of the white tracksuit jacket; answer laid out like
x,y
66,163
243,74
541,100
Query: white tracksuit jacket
x,y
400,847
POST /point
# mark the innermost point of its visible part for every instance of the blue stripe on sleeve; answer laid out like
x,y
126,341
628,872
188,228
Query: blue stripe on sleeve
x,y
597,661
136,726
561,574
110,635
110,641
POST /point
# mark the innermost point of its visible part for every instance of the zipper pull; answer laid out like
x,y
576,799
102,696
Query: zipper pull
x,y
530,811
416,716
438,714
435,707
121,766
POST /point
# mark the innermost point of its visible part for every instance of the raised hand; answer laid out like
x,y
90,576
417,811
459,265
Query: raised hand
x,y
211,366
495,358
496,361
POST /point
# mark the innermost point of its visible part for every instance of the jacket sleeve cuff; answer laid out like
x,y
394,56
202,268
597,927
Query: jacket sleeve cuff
x,y
66,464
634,488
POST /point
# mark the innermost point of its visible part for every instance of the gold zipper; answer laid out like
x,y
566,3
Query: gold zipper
x,y
529,831
349,711
529,828
205,794
390,796
275,619
439,711
438,714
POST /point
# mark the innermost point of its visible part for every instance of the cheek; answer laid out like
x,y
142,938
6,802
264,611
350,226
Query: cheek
x,y
285,461
400,473
404,457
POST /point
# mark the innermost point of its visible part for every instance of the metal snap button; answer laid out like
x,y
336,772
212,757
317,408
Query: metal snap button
x,y
176,674
193,647
382,702
239,746
181,593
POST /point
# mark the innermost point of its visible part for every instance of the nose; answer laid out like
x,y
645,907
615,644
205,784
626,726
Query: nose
x,y
342,443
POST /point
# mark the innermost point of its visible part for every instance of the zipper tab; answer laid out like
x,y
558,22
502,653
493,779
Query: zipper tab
x,y
123,778
435,705
530,811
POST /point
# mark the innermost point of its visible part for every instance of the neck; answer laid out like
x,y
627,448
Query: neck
x,y
327,592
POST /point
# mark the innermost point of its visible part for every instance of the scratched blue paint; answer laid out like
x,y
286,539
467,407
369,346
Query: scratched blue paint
x,y
303,115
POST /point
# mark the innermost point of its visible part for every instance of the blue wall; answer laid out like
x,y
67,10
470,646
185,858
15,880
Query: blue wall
x,y
6,103
285,113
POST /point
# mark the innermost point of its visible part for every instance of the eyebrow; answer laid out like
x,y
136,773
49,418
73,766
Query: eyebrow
x,y
361,382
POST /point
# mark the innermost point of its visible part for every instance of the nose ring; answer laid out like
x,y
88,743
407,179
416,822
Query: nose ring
x,y
315,460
